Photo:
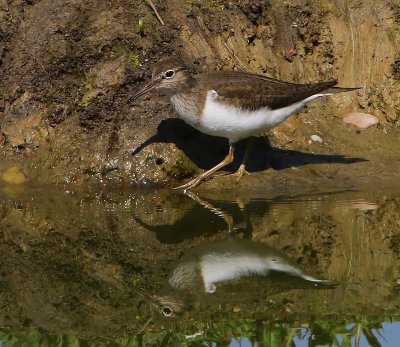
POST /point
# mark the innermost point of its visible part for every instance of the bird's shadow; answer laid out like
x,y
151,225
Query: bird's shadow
x,y
206,151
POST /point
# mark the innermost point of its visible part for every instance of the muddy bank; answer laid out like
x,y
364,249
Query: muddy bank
x,y
68,68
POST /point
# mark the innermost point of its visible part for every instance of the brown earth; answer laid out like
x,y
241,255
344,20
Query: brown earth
x,y
68,68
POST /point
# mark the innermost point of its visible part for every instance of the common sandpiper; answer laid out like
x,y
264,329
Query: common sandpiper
x,y
231,104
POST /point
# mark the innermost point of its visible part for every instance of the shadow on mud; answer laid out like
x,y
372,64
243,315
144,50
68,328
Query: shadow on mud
x,y
206,151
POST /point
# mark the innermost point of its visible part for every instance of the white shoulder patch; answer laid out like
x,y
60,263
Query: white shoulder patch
x,y
212,94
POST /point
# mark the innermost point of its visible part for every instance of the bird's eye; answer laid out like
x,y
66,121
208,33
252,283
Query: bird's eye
x,y
169,73
166,310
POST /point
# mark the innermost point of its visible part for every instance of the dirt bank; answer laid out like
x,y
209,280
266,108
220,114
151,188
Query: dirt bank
x,y
68,68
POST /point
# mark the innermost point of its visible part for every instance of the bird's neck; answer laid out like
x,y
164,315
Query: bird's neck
x,y
185,86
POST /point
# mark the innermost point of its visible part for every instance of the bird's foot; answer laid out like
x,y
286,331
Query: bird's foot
x,y
191,184
195,182
240,172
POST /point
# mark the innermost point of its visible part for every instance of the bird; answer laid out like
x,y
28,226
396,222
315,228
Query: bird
x,y
231,104
220,270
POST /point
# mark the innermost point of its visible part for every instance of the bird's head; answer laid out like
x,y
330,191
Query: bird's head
x,y
169,76
167,306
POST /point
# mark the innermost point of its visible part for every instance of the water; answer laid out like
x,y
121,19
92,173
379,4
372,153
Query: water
x,y
121,266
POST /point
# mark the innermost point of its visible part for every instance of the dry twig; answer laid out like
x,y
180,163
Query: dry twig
x,y
150,3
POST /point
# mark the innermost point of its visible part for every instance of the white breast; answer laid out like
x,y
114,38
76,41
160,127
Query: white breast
x,y
215,268
234,123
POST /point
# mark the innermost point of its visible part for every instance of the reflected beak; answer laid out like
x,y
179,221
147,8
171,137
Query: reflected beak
x,y
150,86
149,297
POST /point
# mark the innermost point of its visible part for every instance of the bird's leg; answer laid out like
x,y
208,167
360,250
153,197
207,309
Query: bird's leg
x,y
195,182
242,168
219,212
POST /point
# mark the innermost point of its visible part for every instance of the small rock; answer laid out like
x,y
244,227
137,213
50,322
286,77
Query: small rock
x,y
13,175
316,138
236,309
360,120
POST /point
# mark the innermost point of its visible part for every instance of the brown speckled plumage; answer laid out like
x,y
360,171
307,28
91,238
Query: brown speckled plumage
x,y
246,90
251,92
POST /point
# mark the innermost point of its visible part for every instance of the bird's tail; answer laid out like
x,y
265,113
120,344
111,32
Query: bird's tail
x,y
321,282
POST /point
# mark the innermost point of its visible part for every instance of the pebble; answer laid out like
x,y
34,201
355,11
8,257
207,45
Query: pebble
x,y
360,120
316,138
13,175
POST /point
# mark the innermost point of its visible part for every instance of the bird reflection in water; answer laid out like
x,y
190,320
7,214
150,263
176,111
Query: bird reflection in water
x,y
175,217
230,268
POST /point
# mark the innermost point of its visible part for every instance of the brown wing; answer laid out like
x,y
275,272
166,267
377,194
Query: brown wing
x,y
252,91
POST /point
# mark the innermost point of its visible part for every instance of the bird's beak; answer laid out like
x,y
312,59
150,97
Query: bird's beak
x,y
149,86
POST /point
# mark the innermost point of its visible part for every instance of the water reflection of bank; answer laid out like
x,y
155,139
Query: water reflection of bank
x,y
71,258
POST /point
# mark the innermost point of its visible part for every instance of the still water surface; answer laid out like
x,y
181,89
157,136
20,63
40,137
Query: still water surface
x,y
133,267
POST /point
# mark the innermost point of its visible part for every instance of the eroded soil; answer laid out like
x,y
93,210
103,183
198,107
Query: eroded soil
x,y
65,117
